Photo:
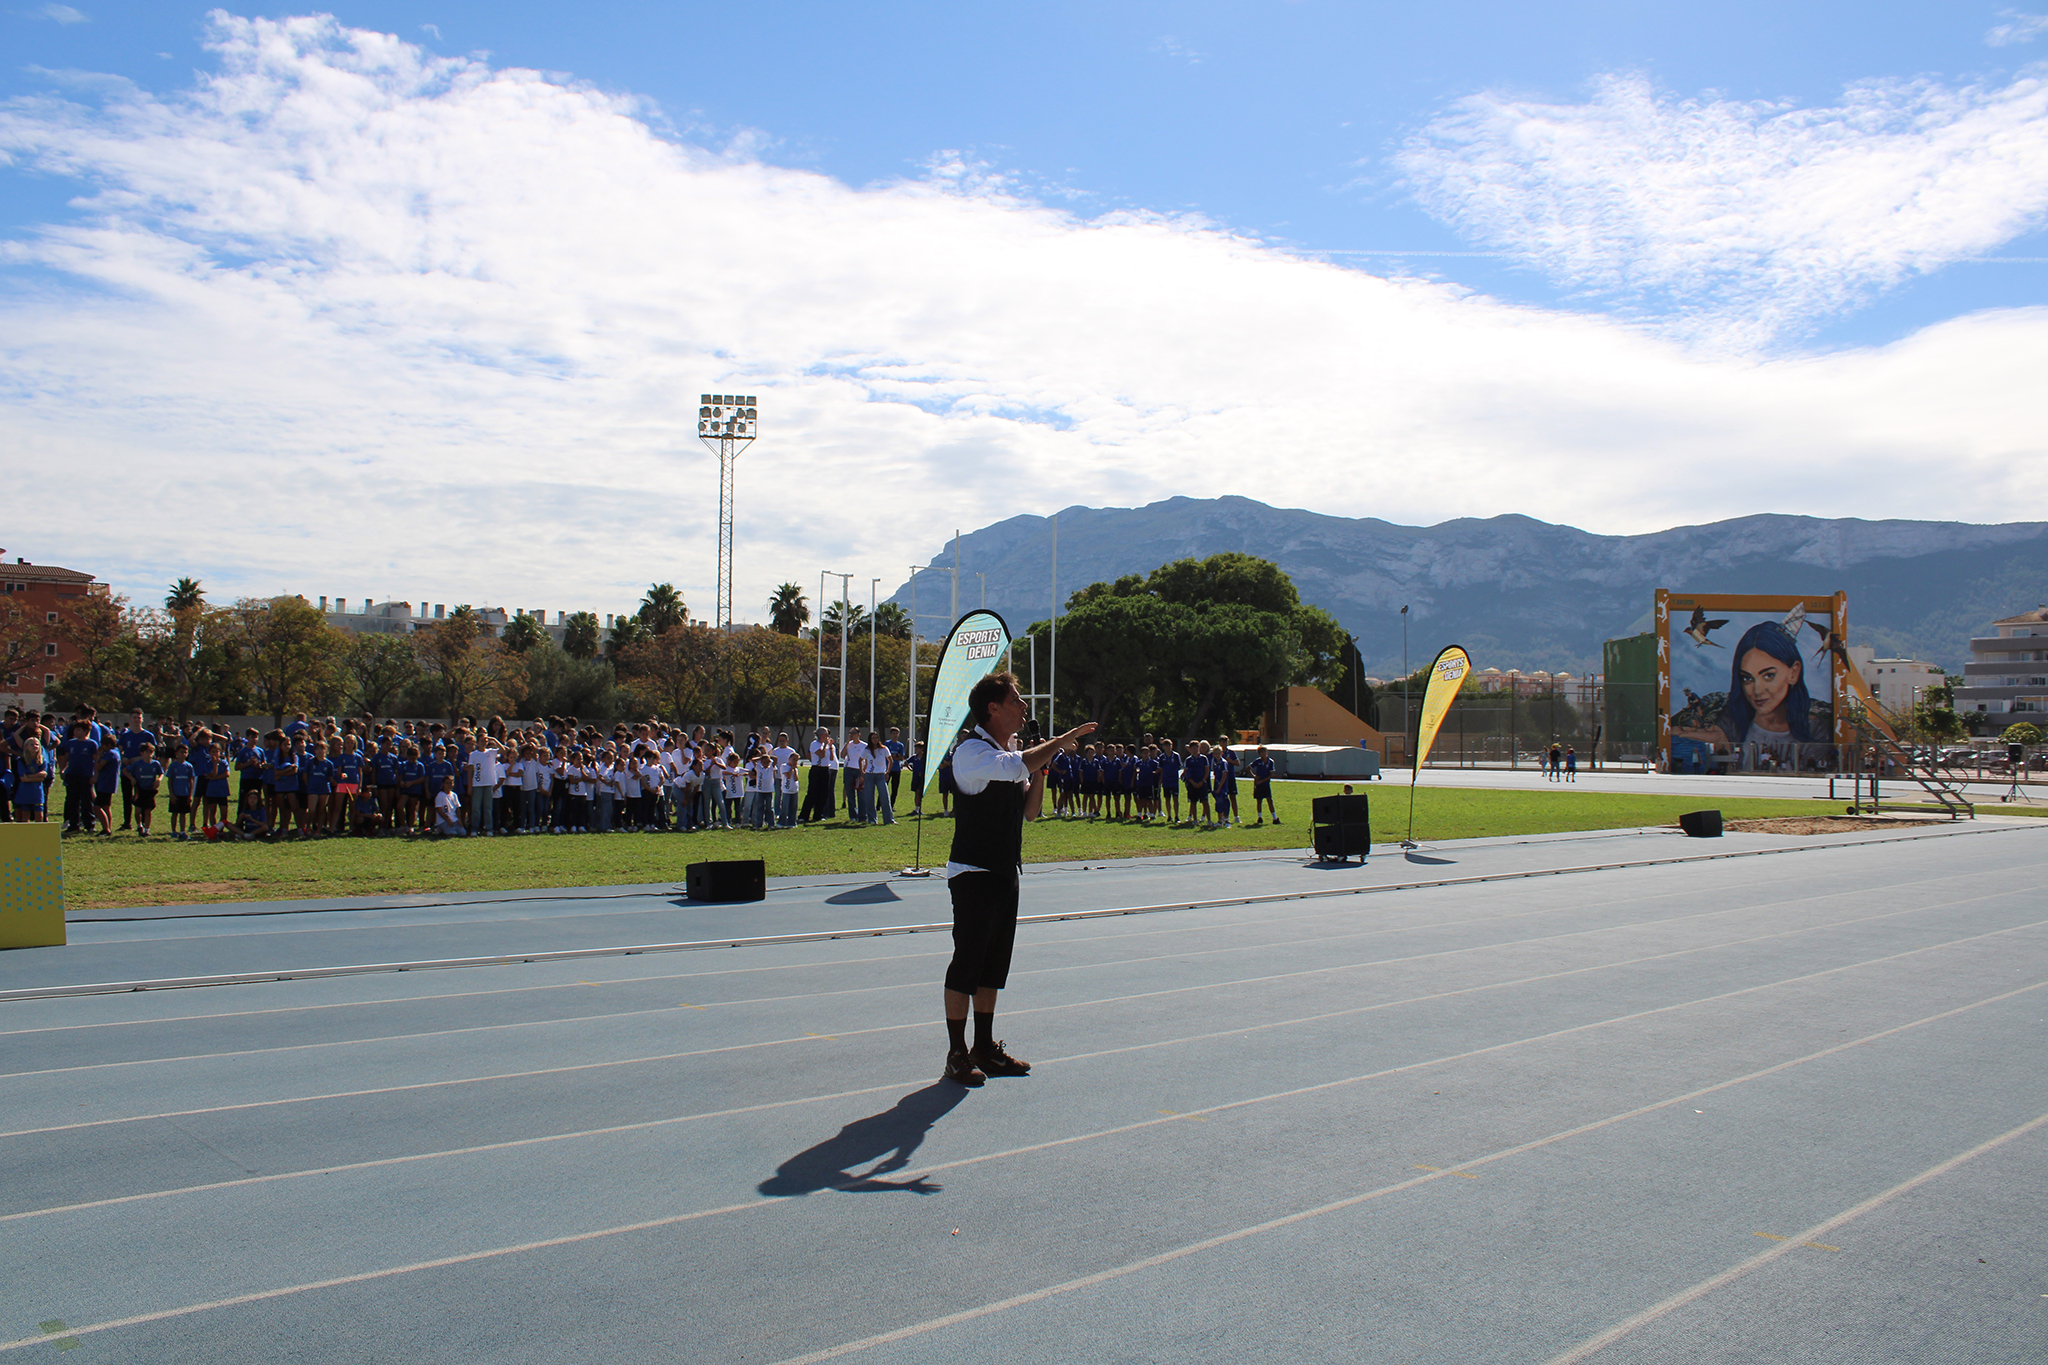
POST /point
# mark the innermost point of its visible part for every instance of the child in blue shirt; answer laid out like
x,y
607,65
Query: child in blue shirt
x,y
1169,781
1194,777
316,775
1223,782
77,755
413,807
214,795
31,766
183,780
1262,786
144,774
106,780
282,777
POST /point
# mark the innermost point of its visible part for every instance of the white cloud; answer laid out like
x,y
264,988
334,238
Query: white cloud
x,y
1743,221
349,318
2018,28
63,14
1174,47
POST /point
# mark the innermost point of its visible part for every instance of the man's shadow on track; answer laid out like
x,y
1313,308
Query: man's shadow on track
x,y
890,1136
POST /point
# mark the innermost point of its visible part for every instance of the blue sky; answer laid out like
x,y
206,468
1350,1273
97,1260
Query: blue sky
x,y
1530,248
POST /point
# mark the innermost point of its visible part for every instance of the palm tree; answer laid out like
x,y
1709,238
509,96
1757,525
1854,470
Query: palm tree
x,y
787,611
892,621
185,594
579,641
626,632
856,619
662,608
523,633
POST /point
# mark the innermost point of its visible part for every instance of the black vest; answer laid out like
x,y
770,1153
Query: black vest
x,y
988,827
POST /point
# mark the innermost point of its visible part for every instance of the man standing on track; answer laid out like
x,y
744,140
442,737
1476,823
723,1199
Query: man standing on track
x,y
998,790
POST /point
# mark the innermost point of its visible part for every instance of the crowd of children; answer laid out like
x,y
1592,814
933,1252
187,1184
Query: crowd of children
x,y
358,778
1145,782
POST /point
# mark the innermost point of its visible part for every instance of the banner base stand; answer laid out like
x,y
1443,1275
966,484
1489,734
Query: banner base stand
x,y
914,871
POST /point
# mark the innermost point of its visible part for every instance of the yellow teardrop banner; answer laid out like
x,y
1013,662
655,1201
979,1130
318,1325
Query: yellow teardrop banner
x,y
1446,676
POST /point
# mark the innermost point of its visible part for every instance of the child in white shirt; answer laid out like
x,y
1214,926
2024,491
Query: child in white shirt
x,y
447,810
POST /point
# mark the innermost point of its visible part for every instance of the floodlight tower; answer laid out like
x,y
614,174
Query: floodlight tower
x,y
725,424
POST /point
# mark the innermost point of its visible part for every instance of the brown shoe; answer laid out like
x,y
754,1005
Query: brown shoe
x,y
996,1062
961,1070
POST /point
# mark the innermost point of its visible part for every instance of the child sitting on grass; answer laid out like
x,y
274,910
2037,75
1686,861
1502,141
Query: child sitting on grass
x,y
255,821
447,810
369,814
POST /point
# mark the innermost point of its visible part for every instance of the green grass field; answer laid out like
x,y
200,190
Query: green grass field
x,y
105,873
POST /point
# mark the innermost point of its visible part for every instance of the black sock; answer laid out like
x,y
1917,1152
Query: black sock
x,y
984,1029
956,1034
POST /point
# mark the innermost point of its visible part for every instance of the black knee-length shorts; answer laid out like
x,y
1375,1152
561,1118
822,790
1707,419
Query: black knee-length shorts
x,y
984,930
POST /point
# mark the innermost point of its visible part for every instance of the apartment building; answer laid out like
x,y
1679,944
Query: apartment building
x,y
2008,669
45,594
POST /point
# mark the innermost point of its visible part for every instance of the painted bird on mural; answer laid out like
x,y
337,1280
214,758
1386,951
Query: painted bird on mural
x,y
1698,631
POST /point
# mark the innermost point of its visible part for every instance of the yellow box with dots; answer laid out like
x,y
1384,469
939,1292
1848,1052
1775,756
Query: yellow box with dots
x,y
31,886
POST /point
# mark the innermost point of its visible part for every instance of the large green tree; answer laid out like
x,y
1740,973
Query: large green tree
x,y
105,636
191,660
477,675
1196,645
289,657
379,668
557,684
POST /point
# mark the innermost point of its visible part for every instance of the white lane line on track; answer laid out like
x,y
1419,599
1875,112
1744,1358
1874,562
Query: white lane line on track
x,y
836,963
1059,1142
1120,933
269,975
140,1319
1048,1009
1267,978
1600,1342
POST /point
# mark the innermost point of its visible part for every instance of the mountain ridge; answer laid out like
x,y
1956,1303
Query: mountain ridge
x,y
1520,592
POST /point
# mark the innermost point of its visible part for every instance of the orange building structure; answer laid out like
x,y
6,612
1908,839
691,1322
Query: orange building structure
x,y
1307,715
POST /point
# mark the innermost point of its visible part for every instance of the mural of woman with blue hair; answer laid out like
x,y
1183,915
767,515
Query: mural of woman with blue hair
x,y
1768,704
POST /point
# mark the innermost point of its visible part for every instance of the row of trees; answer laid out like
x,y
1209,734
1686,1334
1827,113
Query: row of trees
x,y
280,655
1196,646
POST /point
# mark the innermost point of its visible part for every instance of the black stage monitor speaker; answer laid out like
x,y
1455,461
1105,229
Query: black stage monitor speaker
x,y
1343,841
1343,826
742,879
1340,810
1701,824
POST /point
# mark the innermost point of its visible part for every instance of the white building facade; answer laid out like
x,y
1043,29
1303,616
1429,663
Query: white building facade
x,y
2008,670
